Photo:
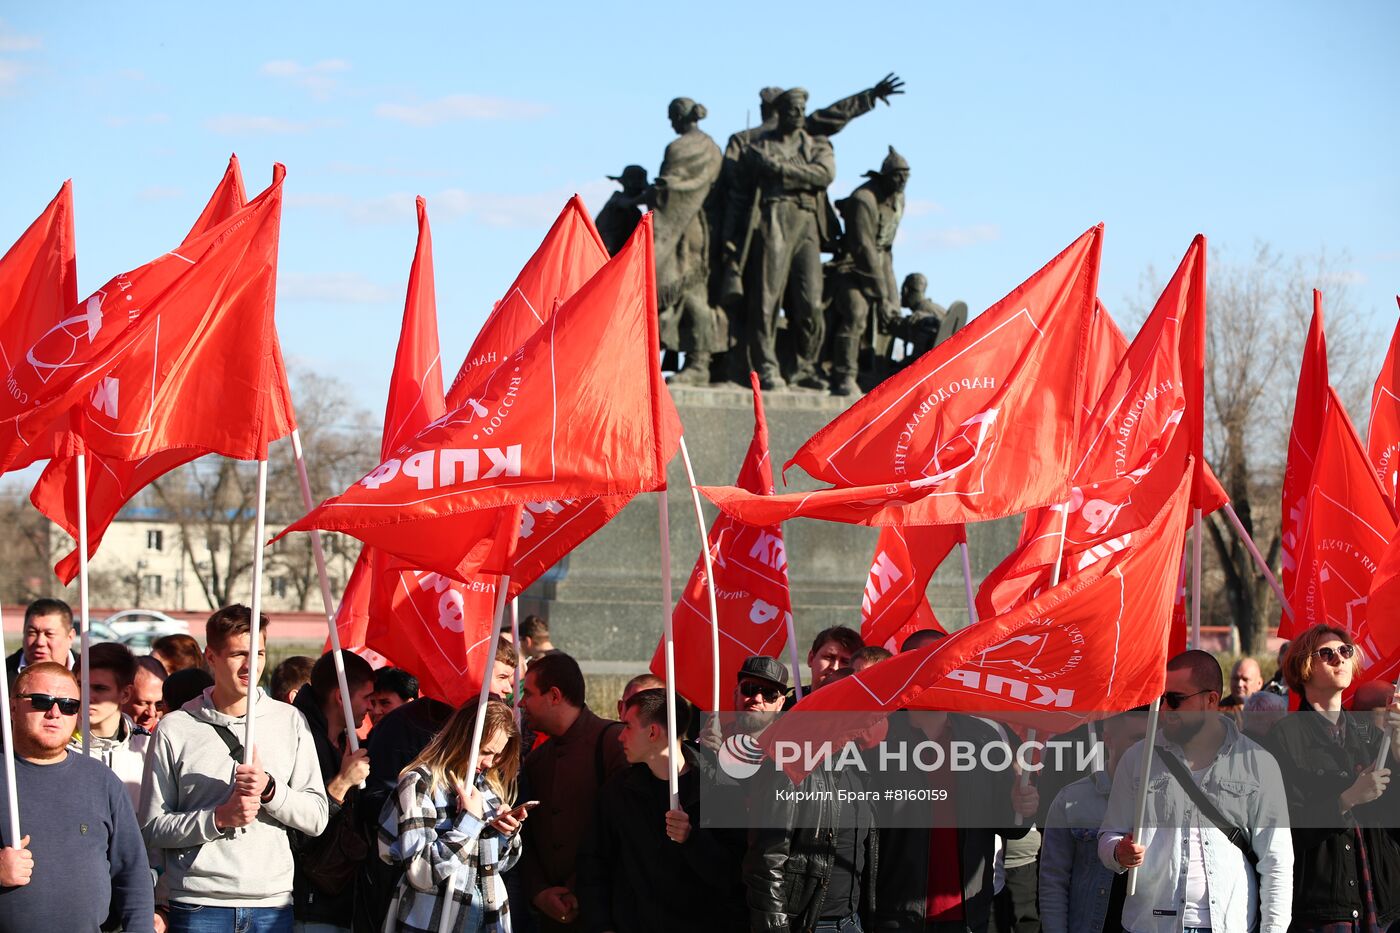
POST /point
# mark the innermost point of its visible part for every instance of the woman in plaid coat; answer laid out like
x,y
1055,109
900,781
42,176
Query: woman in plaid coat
x,y
450,828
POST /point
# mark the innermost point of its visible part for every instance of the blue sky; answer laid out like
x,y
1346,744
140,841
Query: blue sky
x,y
1024,124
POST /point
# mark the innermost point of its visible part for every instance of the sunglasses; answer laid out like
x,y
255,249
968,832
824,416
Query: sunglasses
x,y
751,689
1174,699
43,702
1334,656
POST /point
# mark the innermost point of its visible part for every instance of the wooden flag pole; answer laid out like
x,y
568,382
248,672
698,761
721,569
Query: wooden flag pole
x,y
327,599
255,629
967,580
84,633
11,793
1196,580
1140,811
488,669
1259,561
669,646
709,579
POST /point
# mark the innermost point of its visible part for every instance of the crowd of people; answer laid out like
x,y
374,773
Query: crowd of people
x,y
566,820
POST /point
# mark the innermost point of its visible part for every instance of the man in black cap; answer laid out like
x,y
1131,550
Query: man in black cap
x,y
759,694
620,216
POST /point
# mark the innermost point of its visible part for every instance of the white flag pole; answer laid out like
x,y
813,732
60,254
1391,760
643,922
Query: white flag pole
x,y
1063,509
794,658
11,794
255,630
318,553
1140,811
519,658
488,669
967,580
1196,580
709,578
85,636
1259,561
669,645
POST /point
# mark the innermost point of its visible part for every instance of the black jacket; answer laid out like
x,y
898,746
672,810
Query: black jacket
x,y
633,879
788,866
311,905
12,664
901,886
1316,770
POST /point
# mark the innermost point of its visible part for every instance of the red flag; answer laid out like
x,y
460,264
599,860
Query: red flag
x,y
569,255
38,286
1347,528
1140,412
895,602
954,431
1383,612
112,482
1309,409
141,353
1383,434
751,591
1095,643
579,411
551,529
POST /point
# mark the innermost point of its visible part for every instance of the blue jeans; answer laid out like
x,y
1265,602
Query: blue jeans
x,y
850,924
199,918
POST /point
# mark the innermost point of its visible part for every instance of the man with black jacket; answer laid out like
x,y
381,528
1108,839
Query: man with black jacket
x,y
936,869
644,866
316,907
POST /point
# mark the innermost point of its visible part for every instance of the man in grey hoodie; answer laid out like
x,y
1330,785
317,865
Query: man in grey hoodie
x,y
220,825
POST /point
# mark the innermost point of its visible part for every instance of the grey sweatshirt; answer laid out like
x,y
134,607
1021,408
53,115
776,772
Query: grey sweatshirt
x,y
189,772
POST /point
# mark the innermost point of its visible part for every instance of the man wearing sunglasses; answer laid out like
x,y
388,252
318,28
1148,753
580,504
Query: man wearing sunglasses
x,y
1194,874
81,852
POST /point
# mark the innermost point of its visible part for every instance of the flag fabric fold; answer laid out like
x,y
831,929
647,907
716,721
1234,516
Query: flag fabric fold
x,y
1309,410
894,604
751,590
1383,430
945,440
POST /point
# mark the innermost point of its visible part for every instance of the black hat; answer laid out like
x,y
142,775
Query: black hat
x,y
762,667
633,173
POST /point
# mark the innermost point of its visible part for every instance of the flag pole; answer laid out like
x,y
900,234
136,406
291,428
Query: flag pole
x,y
327,599
668,635
255,629
519,658
709,578
967,578
1196,580
488,669
1063,509
11,794
1140,811
84,635
1259,561
794,658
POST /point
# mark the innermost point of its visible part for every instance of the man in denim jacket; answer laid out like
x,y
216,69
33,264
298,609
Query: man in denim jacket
x,y
1076,891
1192,877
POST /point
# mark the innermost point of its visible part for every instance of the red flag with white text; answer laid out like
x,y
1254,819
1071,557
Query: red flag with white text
x,y
579,411
894,604
751,591
946,440
1383,431
1347,527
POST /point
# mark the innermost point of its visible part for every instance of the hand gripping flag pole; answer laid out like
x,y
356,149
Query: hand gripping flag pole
x,y
327,600
85,636
255,629
709,578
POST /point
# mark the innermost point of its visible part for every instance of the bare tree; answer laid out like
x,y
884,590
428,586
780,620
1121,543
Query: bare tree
x,y
27,551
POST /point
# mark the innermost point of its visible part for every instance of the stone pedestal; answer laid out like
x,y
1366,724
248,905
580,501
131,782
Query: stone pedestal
x,y
603,602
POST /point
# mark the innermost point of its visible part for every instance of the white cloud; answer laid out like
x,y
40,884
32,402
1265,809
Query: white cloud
x,y
232,124
315,78
922,207
9,75
14,42
457,107
331,287
960,237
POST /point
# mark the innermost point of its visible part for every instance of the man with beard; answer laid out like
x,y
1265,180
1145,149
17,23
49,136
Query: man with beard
x,y
1194,874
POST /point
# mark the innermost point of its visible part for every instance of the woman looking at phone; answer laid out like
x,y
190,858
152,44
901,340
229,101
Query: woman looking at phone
x,y
451,827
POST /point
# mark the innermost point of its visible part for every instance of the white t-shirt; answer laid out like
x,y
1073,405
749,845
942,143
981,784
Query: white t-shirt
x,y
1196,912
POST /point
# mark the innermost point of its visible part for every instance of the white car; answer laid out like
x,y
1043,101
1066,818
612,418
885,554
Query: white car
x,y
145,622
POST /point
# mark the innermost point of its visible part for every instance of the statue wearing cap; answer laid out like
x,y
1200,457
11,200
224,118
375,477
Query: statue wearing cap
x,y
620,216
826,121
929,323
778,208
864,292
681,196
